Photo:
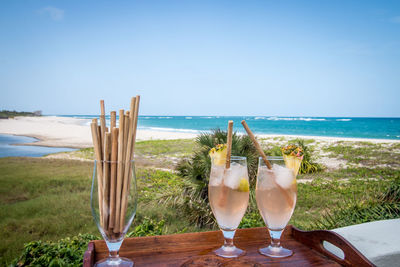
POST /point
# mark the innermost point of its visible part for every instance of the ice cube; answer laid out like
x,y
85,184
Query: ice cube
x,y
283,176
216,175
234,174
264,178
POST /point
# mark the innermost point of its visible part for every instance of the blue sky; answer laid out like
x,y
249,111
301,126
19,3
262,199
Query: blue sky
x,y
281,58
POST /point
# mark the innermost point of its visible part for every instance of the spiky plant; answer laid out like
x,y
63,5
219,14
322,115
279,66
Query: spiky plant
x,y
197,168
308,165
199,165
194,199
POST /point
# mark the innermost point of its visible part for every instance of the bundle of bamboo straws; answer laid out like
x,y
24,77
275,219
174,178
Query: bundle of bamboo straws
x,y
114,151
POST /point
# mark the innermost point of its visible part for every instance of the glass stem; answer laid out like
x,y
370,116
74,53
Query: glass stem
x,y
275,238
114,254
228,238
113,248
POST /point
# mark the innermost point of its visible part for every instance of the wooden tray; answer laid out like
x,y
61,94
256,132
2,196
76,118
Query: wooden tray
x,y
195,249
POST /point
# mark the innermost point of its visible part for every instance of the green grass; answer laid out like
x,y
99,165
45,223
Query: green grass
x,y
325,193
165,147
162,153
42,199
152,153
365,153
48,199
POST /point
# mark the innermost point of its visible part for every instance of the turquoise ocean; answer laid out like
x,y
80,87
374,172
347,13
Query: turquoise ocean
x,y
377,128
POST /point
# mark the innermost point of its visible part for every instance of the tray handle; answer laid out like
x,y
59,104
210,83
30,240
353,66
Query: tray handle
x,y
315,239
88,257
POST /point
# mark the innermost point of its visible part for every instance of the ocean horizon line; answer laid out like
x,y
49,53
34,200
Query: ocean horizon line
x,y
345,127
230,116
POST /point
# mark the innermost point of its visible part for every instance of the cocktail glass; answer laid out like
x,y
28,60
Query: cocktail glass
x,y
276,192
228,192
113,203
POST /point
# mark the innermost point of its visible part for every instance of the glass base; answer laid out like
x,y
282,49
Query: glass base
x,y
276,252
118,261
229,252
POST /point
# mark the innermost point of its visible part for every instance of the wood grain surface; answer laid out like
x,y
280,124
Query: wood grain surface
x,y
196,249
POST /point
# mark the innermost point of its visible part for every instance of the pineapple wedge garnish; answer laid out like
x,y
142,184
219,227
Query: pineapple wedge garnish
x,y
218,154
292,155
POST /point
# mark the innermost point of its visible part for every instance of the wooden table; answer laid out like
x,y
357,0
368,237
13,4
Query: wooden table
x,y
195,249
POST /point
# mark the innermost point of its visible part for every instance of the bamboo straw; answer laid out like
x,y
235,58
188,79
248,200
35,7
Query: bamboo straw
x,y
224,189
256,144
132,128
135,117
102,121
106,181
97,153
100,142
126,133
113,183
113,120
128,158
135,121
229,145
124,171
120,170
114,150
289,199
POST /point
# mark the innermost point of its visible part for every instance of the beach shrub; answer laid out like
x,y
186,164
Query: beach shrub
x,y
383,205
308,165
66,252
148,227
69,251
199,165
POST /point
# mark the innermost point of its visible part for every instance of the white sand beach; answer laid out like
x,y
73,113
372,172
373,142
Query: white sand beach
x,y
75,133
69,132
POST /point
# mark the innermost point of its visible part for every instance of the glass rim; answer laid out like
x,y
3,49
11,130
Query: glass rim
x,y
271,158
238,158
114,161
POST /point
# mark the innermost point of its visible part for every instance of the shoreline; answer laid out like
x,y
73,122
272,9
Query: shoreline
x,y
53,131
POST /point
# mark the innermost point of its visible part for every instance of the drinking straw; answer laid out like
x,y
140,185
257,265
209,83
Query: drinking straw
x,y
289,199
113,120
128,158
106,181
120,169
229,145
97,153
224,189
126,133
135,121
100,140
114,151
102,121
114,158
256,144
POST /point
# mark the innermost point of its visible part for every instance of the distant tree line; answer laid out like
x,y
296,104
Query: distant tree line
x,y
5,114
